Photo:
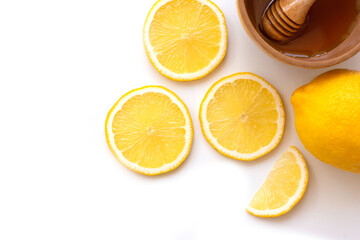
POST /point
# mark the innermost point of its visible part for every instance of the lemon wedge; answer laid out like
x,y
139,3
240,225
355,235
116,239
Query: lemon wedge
x,y
149,130
283,188
242,116
185,40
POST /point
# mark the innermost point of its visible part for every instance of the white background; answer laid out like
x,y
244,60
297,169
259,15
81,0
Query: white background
x,y
63,64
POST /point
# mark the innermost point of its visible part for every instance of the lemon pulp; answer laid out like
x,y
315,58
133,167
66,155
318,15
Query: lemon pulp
x,y
186,39
149,130
283,188
242,116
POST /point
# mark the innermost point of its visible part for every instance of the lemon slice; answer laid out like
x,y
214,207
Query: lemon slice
x,y
242,116
149,130
283,188
185,40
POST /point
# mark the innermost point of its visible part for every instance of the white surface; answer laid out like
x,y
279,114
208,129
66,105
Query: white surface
x,y
63,64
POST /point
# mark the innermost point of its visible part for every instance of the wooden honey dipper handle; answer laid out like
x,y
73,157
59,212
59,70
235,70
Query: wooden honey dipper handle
x,y
296,10
285,17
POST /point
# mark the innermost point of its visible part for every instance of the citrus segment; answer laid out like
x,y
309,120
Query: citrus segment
x,y
185,40
242,116
283,188
149,130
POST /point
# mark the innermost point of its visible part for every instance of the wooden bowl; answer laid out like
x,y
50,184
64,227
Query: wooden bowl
x,y
348,48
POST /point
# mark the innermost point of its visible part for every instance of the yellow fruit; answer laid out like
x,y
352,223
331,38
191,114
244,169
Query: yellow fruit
x,y
185,40
327,118
283,188
242,116
149,130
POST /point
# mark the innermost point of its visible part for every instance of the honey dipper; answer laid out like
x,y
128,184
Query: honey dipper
x,y
283,18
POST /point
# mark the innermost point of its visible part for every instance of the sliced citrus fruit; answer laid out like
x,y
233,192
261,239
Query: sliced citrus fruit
x,y
242,116
283,188
185,40
149,130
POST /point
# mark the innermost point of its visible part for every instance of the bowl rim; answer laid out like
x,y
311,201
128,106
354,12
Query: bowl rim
x,y
267,48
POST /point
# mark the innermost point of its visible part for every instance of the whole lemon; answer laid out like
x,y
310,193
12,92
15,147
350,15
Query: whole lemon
x,y
327,118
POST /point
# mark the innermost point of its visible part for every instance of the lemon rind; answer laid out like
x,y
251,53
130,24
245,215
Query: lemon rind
x,y
185,76
298,195
205,125
189,132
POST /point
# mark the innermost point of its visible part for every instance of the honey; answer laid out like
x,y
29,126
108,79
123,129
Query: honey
x,y
328,23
